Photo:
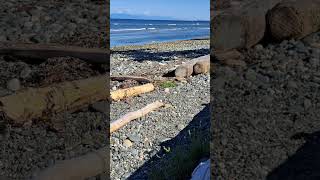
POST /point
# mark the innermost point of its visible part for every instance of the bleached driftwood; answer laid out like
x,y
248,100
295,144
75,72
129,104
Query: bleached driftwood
x,y
132,91
43,102
186,70
117,124
80,168
202,67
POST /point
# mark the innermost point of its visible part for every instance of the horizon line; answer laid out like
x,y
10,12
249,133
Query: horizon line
x,y
159,19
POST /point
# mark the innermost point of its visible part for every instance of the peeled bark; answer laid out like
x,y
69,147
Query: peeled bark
x,y
294,19
243,27
132,91
42,102
117,124
80,168
45,51
186,70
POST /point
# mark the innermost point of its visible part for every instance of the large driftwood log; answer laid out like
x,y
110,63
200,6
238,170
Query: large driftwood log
x,y
241,27
132,91
44,51
80,168
42,102
186,70
294,19
202,67
117,124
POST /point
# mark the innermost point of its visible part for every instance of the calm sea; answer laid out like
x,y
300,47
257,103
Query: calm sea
x,y
129,31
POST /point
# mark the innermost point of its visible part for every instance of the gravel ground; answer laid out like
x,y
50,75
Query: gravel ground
x,y
266,115
140,140
25,150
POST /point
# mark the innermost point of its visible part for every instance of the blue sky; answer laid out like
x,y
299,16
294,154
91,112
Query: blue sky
x,y
178,9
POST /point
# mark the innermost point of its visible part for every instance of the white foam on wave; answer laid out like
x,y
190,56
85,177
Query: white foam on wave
x,y
172,24
120,30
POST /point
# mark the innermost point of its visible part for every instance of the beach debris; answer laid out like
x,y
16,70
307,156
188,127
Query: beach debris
x,y
136,78
42,102
241,27
45,51
117,124
186,70
131,91
294,19
88,165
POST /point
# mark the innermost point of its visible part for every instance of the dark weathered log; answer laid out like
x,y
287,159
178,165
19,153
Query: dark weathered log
x,y
294,19
136,78
44,51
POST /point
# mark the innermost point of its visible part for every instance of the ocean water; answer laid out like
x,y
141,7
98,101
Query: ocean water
x,y
129,31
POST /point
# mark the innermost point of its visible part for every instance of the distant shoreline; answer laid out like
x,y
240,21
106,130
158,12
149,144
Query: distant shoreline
x,y
159,43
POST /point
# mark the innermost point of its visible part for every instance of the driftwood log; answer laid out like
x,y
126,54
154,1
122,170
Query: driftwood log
x,y
117,124
294,19
44,51
186,70
241,27
80,168
136,78
43,102
202,67
132,91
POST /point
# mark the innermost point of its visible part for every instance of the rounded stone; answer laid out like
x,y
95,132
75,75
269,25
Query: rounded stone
x,y
13,84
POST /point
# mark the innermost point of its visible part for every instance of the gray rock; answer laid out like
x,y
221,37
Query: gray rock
x,y
135,138
180,126
101,106
307,103
13,84
25,73
251,75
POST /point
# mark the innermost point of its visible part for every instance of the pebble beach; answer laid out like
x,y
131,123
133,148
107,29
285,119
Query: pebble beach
x,y
141,140
27,149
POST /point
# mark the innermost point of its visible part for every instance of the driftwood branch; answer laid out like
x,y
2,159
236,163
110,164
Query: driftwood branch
x,y
186,70
80,168
35,51
132,91
117,124
42,102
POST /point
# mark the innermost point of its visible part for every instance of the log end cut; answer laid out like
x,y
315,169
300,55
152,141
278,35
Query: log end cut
x,y
284,23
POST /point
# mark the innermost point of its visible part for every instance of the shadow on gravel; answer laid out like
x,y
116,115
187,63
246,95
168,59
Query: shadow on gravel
x,y
158,167
147,54
304,164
